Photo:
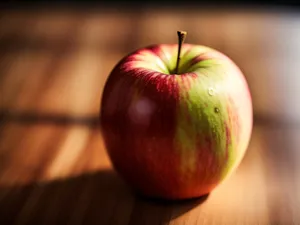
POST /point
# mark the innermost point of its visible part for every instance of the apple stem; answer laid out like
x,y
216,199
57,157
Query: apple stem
x,y
181,38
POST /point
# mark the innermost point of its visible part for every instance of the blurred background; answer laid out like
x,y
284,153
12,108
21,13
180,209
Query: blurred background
x,y
54,61
76,47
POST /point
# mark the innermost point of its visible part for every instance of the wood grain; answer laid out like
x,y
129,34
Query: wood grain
x,y
53,165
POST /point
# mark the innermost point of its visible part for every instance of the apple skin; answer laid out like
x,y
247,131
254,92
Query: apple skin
x,y
176,136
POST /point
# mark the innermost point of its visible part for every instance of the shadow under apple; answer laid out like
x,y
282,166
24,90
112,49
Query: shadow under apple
x,y
96,198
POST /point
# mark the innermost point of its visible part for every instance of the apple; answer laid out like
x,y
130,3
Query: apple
x,y
176,119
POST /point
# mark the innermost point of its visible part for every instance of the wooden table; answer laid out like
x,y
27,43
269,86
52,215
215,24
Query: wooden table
x,y
53,165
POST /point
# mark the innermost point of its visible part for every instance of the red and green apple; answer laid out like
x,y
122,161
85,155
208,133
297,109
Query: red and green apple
x,y
176,119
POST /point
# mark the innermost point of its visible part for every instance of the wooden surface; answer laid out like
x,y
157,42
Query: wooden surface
x,y
53,165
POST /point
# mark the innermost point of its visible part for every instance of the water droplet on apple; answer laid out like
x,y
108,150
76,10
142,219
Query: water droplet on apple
x,y
211,91
217,110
